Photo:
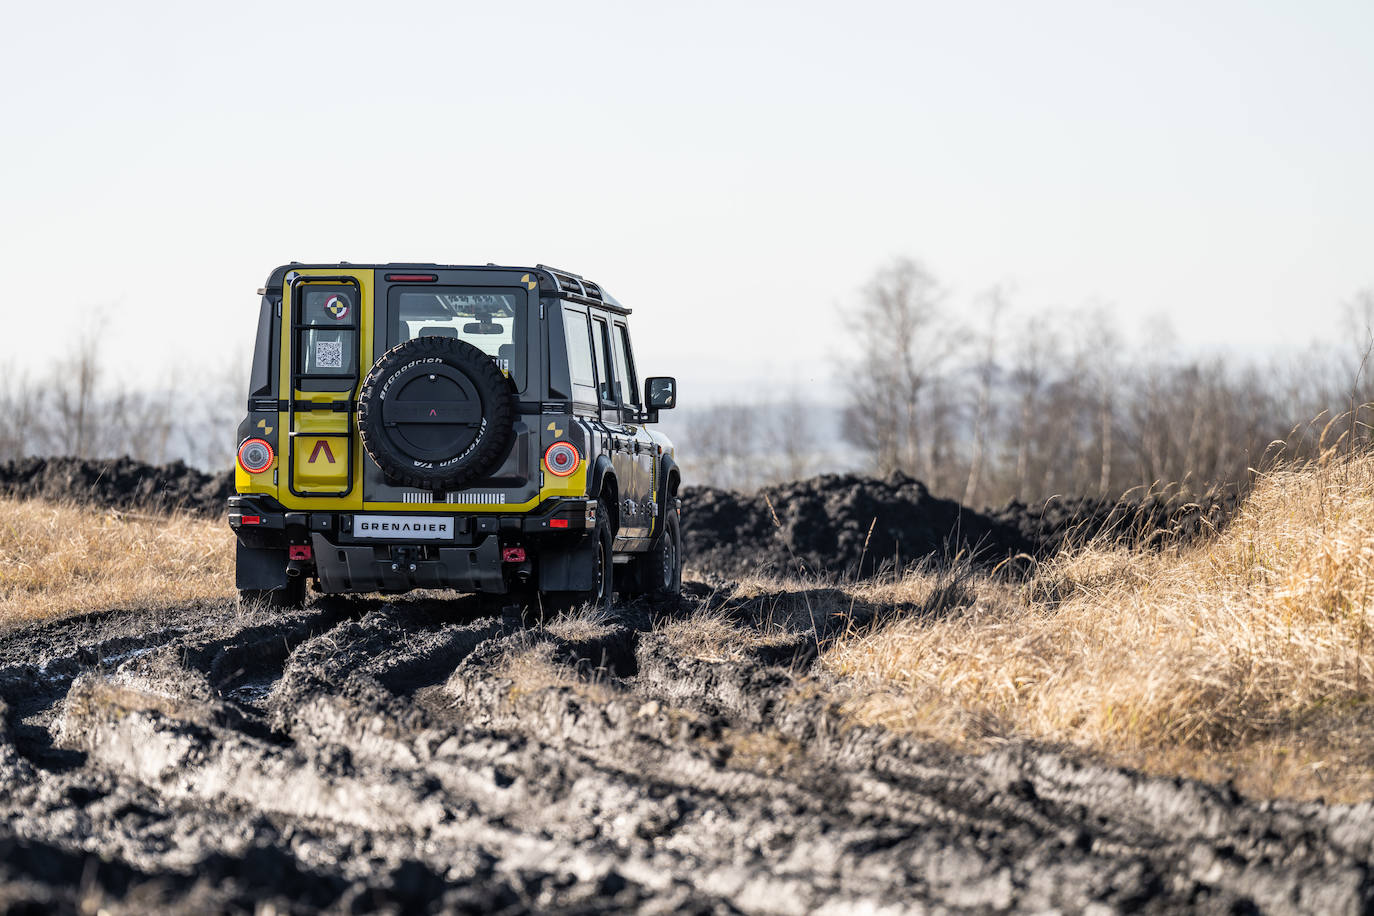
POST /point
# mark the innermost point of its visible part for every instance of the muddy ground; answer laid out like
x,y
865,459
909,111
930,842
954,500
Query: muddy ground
x,y
419,755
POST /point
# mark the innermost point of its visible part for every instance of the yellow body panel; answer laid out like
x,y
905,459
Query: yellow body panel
x,y
261,482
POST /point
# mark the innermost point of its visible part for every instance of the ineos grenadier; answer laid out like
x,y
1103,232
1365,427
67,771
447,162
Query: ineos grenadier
x,y
481,429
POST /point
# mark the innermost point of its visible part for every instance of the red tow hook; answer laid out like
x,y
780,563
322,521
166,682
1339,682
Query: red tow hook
x,y
512,554
299,552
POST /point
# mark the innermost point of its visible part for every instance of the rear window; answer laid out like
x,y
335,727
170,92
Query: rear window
x,y
492,320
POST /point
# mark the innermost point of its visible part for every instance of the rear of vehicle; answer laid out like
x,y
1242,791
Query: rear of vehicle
x,y
405,430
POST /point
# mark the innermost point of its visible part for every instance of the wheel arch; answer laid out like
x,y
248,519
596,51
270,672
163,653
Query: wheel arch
x,y
603,480
672,480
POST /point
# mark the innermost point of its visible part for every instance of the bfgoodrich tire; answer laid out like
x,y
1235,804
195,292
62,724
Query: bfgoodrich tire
x,y
436,413
660,570
291,595
600,596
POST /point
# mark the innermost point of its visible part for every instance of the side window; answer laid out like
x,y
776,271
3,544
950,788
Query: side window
x,y
329,341
625,368
264,353
579,354
603,365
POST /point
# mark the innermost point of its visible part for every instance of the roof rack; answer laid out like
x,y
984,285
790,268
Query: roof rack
x,y
570,282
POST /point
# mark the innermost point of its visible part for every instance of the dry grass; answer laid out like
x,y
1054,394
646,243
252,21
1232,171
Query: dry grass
x,y
1250,657
532,670
61,559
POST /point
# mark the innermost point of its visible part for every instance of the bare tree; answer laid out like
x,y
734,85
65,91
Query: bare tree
x,y
1030,374
904,339
77,419
724,446
208,426
20,414
789,439
994,307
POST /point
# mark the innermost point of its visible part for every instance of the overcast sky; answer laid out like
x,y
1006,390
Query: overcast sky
x,y
732,171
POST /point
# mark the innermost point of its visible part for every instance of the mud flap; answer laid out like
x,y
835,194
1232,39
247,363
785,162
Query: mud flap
x,y
259,568
568,570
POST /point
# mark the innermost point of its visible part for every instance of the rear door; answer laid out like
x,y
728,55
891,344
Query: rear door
x,y
325,321
639,445
490,310
620,434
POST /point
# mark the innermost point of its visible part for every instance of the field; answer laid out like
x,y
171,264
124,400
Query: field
x,y
1136,721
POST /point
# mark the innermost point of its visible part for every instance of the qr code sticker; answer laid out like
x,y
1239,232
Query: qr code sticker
x,y
329,354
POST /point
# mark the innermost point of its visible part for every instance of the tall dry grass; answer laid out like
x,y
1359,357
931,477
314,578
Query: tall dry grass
x,y
1248,657
60,559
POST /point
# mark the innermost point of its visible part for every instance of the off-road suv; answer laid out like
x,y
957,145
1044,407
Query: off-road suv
x,y
471,428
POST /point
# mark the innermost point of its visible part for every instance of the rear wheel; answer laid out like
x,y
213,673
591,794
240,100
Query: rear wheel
x,y
291,595
602,592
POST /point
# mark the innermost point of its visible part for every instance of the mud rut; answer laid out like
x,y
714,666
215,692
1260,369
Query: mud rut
x,y
361,756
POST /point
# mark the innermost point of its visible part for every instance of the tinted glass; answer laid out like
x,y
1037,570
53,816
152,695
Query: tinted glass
x,y
579,348
625,368
603,365
329,306
330,345
492,320
329,352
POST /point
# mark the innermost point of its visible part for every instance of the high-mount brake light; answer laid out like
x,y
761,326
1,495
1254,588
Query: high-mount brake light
x,y
562,459
255,455
411,278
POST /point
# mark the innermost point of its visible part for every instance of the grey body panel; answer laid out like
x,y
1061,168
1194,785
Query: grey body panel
x,y
355,568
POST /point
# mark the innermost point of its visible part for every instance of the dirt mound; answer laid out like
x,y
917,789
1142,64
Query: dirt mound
x,y
848,525
416,756
1150,520
836,525
120,483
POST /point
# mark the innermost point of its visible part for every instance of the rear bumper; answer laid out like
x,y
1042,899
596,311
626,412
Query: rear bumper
x,y
325,545
363,568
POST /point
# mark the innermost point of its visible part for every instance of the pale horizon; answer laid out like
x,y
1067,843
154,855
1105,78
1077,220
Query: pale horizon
x,y
735,174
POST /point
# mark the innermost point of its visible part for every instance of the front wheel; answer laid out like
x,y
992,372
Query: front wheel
x,y
660,569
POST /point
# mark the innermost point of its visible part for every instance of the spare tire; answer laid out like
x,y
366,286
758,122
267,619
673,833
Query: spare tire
x,y
436,413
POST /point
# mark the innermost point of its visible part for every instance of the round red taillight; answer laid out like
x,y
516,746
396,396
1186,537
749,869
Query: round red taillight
x,y
255,455
561,459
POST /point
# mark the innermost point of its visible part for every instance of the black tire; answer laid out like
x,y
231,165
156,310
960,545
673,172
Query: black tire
x,y
291,595
436,413
602,593
660,570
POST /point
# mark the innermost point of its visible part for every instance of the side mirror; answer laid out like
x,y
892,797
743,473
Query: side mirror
x,y
660,392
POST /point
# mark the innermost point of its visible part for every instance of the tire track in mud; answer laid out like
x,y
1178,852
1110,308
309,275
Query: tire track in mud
x,y
415,755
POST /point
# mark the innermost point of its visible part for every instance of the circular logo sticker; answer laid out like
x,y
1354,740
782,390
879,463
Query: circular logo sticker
x,y
337,307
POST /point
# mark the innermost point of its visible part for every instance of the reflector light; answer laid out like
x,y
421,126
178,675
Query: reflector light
x,y
411,278
252,519
562,459
512,554
255,455
299,552
558,523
